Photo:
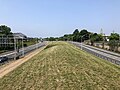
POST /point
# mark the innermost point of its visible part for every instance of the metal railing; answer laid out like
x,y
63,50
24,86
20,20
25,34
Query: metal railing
x,y
26,50
109,56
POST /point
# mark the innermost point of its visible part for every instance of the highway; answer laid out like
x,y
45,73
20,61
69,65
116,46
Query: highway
x,y
25,50
104,54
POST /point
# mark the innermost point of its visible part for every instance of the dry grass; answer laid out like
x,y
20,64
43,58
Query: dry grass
x,y
61,66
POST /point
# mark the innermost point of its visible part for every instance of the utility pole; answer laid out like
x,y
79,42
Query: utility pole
x,y
113,31
101,31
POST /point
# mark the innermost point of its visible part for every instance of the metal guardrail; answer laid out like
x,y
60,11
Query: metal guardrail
x,y
100,53
98,49
26,50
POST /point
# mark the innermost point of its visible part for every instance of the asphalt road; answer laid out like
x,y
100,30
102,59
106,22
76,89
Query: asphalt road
x,y
11,54
104,54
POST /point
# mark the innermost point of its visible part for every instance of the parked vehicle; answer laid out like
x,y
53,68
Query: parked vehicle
x,y
3,59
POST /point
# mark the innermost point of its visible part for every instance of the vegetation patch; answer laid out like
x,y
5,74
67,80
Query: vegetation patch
x,y
63,66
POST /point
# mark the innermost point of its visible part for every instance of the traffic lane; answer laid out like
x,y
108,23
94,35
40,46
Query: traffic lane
x,y
98,49
111,58
109,52
103,54
11,54
99,52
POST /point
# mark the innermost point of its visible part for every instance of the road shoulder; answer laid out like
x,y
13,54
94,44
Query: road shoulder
x,y
10,67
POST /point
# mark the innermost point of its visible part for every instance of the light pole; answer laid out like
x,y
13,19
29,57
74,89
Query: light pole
x,y
119,40
81,40
36,43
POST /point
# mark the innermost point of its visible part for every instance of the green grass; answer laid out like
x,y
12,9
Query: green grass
x,y
28,43
62,66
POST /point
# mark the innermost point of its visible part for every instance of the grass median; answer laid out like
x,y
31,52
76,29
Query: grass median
x,y
62,66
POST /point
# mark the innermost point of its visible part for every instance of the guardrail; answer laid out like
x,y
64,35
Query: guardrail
x,y
28,49
109,57
105,51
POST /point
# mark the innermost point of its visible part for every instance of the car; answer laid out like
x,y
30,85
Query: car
x,y
3,59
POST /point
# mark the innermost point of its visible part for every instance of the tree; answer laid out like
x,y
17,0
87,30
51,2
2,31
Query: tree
x,y
76,35
5,30
114,45
51,39
68,37
114,41
84,34
95,38
114,36
76,32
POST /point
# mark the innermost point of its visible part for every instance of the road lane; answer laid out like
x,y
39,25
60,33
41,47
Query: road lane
x,y
11,54
104,54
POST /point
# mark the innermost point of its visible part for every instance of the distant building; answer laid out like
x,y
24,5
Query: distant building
x,y
8,41
20,35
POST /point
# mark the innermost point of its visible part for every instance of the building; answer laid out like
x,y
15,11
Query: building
x,y
20,35
7,42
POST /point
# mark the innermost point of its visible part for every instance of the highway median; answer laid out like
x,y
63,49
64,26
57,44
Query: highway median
x,y
63,66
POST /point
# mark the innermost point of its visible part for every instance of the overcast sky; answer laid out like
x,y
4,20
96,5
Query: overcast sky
x,y
45,18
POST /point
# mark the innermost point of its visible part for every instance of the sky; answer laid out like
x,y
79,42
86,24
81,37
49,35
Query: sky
x,y
46,18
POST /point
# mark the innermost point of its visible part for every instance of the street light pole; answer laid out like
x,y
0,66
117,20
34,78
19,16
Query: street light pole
x,y
81,40
36,43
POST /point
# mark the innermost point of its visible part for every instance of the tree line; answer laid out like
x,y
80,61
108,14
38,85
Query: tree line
x,y
5,30
85,35
78,36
